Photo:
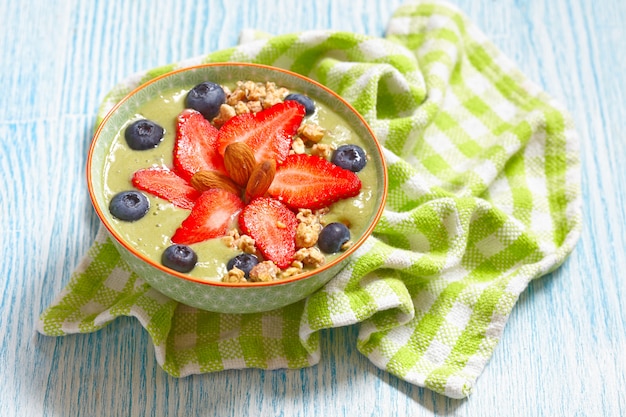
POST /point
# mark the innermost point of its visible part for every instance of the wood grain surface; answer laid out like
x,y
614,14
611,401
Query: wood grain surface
x,y
563,352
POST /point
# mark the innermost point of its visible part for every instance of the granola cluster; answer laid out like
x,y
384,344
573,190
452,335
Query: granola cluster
x,y
242,242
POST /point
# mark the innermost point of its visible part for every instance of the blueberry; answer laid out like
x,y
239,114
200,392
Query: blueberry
x,y
207,98
143,134
350,157
129,205
245,262
308,104
180,258
332,237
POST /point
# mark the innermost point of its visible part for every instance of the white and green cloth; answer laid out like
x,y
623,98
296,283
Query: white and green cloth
x,y
484,196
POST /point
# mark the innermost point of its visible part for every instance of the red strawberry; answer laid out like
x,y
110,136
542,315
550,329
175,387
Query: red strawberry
x,y
273,227
195,148
212,215
164,183
312,182
269,132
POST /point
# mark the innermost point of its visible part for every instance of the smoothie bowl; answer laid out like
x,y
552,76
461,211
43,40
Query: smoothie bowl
x,y
236,188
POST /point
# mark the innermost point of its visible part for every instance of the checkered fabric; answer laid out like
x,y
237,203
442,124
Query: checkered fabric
x,y
484,196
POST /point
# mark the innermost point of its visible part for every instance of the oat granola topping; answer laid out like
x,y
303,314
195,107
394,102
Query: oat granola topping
x,y
289,272
311,132
249,96
226,112
254,106
230,238
310,257
309,216
241,108
246,244
236,96
297,146
265,271
234,275
307,234
322,150
254,91
305,216
296,268
242,242
271,99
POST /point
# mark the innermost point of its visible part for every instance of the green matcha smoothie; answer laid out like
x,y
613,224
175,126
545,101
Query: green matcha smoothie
x,y
151,234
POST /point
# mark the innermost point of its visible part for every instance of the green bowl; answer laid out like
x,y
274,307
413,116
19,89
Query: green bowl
x,y
213,295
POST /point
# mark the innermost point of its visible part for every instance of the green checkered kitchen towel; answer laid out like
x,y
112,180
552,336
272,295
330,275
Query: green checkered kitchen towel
x,y
484,196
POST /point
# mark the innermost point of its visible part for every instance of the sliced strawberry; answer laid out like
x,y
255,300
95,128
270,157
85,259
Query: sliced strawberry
x,y
312,182
195,148
166,184
269,132
273,227
213,214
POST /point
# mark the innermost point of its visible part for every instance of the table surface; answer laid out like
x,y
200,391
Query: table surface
x,y
562,352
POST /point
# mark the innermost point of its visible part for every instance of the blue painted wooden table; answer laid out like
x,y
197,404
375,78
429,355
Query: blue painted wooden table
x,y
563,350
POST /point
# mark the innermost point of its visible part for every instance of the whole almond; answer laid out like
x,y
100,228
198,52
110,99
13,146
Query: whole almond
x,y
260,179
204,180
239,161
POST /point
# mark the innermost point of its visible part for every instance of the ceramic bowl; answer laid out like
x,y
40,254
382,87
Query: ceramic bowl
x,y
215,295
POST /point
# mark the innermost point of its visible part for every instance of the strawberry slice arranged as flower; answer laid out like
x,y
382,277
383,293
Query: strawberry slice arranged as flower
x,y
269,132
196,145
214,212
304,181
166,184
273,227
